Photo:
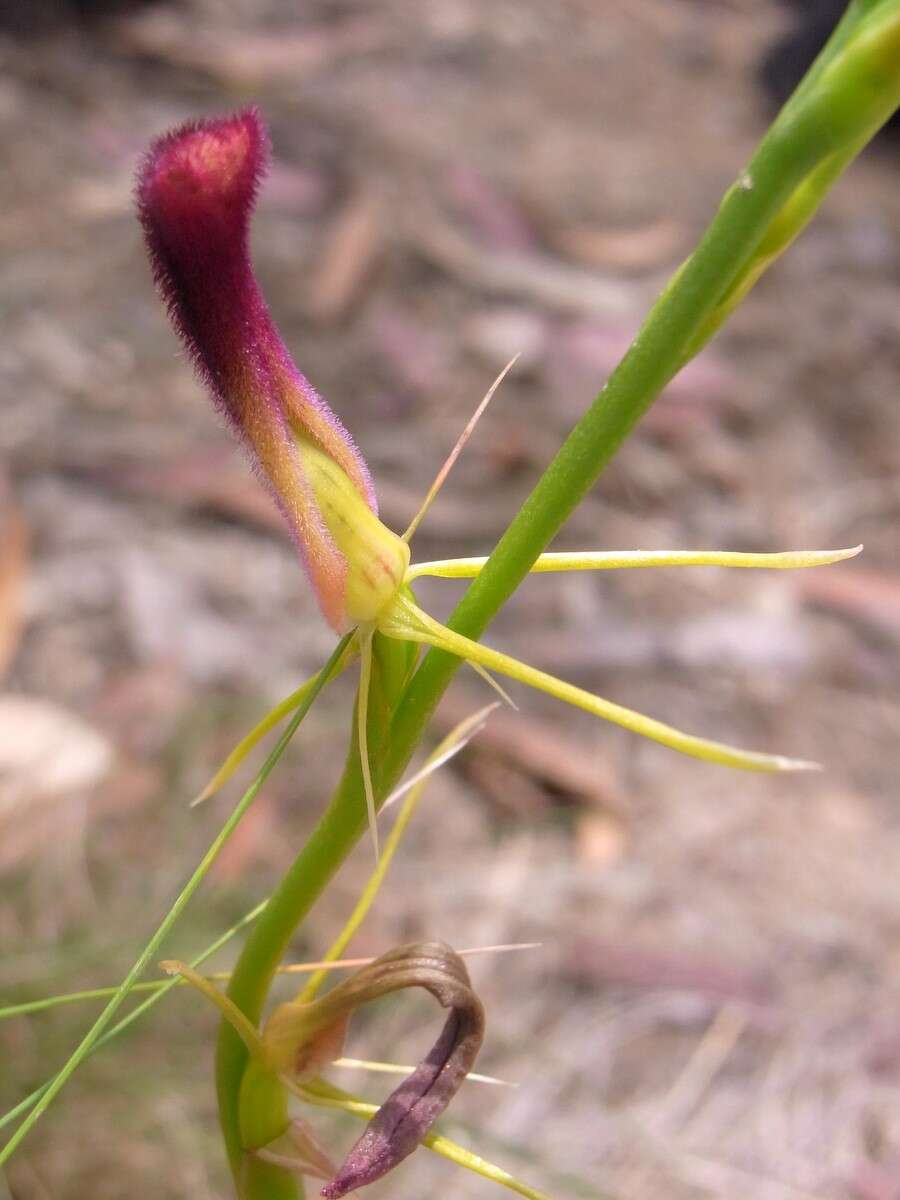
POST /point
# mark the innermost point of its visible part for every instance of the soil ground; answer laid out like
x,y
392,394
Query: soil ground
x,y
714,1009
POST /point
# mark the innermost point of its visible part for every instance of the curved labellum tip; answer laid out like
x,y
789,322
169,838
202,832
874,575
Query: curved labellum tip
x,y
195,191
410,1111
301,1037
405,1117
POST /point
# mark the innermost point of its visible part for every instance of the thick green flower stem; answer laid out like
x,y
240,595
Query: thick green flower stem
x,y
262,1117
324,852
326,849
854,88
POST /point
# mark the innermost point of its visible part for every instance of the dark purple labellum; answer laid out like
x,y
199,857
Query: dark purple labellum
x,y
410,1111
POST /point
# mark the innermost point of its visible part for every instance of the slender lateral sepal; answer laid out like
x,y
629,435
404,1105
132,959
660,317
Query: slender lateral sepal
x,y
407,622
617,560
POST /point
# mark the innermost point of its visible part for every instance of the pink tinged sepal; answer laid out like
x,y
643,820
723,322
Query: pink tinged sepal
x,y
196,189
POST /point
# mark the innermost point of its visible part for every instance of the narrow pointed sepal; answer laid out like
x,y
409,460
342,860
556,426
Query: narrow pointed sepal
x,y
269,722
618,560
406,621
242,1026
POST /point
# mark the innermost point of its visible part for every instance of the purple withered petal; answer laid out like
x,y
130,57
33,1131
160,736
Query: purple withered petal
x,y
196,190
407,1115
411,1109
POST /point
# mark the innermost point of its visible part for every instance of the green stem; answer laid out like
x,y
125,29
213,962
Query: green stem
x,y
326,849
824,122
158,991
92,1037
791,150
330,842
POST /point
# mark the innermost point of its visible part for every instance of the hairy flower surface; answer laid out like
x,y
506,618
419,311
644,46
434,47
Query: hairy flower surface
x,y
196,191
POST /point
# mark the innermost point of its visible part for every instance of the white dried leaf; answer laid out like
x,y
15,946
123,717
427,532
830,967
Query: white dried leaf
x,y
46,752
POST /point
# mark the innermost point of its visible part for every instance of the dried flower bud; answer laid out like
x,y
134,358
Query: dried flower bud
x,y
299,1038
196,190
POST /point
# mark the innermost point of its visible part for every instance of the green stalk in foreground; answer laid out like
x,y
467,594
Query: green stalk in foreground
x,y
91,1039
847,96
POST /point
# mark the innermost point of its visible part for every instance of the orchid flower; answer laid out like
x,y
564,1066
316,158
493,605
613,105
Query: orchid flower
x,y
307,1034
196,191
303,1036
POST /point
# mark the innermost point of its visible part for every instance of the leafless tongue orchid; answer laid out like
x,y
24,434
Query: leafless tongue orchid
x,y
195,192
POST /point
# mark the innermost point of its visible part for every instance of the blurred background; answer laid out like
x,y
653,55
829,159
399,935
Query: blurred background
x,y
715,1009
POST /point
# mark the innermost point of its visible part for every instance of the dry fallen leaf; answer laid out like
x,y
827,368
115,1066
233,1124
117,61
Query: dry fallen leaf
x,y
48,759
13,567
46,752
350,250
515,751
